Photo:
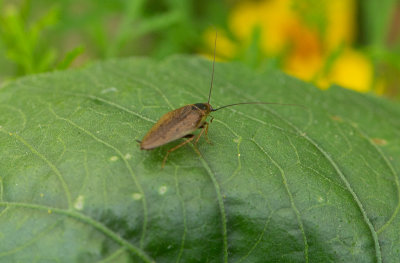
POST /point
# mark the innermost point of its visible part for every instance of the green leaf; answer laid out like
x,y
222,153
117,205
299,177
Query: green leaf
x,y
70,56
376,25
278,183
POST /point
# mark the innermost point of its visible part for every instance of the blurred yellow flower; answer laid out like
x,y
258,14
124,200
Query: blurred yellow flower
x,y
273,17
341,23
304,47
352,69
226,48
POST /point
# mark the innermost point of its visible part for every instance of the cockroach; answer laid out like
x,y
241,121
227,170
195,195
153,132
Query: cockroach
x,y
182,122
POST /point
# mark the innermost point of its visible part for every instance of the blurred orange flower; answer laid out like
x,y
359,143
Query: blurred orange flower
x,y
312,38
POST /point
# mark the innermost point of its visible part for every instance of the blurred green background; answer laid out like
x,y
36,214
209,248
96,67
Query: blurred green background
x,y
352,43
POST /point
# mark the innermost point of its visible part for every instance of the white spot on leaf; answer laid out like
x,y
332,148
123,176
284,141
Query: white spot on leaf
x,y
162,190
79,202
113,158
137,196
111,89
128,156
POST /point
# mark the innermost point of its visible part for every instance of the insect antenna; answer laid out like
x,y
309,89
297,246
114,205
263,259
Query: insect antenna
x,y
212,74
229,105
256,102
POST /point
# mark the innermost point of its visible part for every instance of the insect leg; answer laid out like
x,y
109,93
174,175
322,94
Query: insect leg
x,y
207,132
208,141
190,138
204,127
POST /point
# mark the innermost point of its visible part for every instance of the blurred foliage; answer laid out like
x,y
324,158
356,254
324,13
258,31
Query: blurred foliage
x,y
343,42
36,37
24,43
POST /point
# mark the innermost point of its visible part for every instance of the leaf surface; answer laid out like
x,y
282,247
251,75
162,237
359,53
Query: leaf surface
x,y
278,183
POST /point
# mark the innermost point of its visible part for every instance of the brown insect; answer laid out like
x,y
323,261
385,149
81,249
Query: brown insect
x,y
182,122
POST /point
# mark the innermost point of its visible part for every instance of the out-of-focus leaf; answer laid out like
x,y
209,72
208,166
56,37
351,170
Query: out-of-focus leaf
x,y
70,57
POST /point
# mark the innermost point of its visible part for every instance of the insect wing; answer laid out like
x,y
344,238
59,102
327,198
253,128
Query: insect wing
x,y
172,126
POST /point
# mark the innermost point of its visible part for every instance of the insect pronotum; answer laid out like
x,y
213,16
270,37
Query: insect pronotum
x,y
182,122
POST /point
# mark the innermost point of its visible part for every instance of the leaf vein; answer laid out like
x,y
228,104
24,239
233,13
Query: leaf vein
x,y
48,162
220,203
87,220
129,168
346,182
393,172
29,242
292,203
185,230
